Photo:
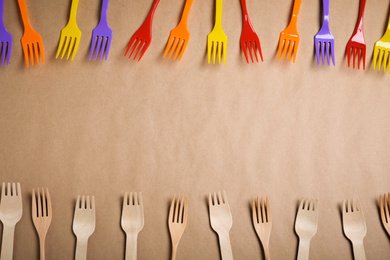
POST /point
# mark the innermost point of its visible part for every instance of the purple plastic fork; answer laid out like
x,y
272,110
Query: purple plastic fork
x,y
5,37
324,39
101,35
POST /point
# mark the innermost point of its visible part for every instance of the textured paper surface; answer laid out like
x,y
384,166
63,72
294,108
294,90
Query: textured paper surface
x,y
163,127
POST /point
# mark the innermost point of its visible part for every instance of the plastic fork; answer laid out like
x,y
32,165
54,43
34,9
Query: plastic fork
x,y
83,224
289,38
179,37
262,221
31,40
384,209
41,215
10,214
132,222
356,43
217,39
221,221
70,34
177,220
382,47
354,226
306,225
5,38
143,36
101,35
324,39
249,39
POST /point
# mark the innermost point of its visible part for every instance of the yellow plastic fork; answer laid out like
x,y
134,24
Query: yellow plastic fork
x,y
217,39
383,46
289,38
70,35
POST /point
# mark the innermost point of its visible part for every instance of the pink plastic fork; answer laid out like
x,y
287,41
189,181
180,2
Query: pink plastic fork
x,y
357,44
143,36
249,38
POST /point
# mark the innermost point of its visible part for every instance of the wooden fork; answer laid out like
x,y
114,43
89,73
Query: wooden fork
x,y
354,226
179,37
83,224
221,221
262,221
132,222
384,209
10,214
41,215
177,220
289,38
31,40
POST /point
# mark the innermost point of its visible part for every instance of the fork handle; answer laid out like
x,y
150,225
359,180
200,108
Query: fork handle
x,y
103,16
325,4
73,10
359,25
303,249
226,249
295,12
42,241
149,19
81,249
2,14
186,11
7,246
131,247
358,250
218,13
23,11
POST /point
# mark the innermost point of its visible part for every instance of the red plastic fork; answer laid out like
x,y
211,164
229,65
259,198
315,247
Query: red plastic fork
x,y
143,36
357,43
249,39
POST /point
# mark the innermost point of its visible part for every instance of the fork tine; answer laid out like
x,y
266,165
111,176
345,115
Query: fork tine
x,y
71,47
220,47
280,47
344,207
185,211
323,45
364,57
175,45
39,199
34,204
183,48
145,47
224,49
171,209
317,47
290,50
65,47
358,57
40,49
259,48
250,48
77,206
104,46
327,51
220,200
48,202
332,50
382,207
44,201
254,217
215,45
125,200
385,61
295,50
108,47
181,206
380,60
98,46
8,189
141,44
243,48
268,210
35,47
83,202
13,189
386,209
179,47
255,48
31,54
215,198
130,44
60,45
263,214
286,44
88,205
93,202
349,55
2,51
3,190
169,45
375,56
93,44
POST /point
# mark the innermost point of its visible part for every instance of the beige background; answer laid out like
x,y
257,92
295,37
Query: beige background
x,y
163,127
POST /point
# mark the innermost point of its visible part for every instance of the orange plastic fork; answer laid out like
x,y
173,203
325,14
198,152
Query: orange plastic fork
x,y
143,36
31,40
289,38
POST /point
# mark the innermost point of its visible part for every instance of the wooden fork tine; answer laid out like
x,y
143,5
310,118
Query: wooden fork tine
x,y
185,211
181,208
258,210
171,210
44,201
269,217
263,215
3,190
386,206
34,204
39,198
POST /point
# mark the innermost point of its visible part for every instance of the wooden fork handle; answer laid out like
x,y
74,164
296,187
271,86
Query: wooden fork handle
x,y
81,249
131,247
7,245
303,249
226,249
42,241
358,250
